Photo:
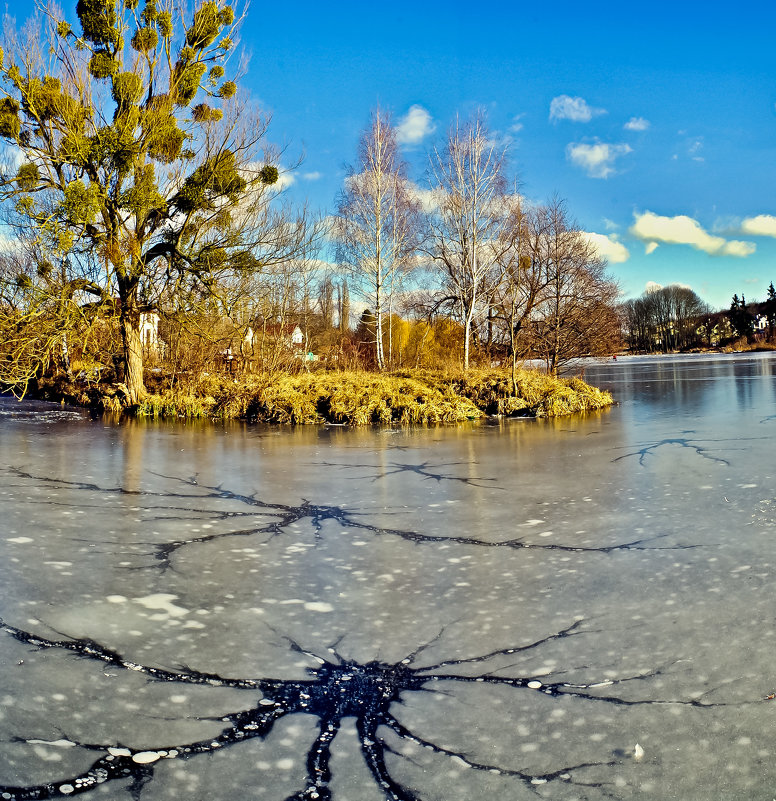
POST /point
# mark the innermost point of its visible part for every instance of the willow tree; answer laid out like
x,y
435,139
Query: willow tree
x,y
132,148
377,226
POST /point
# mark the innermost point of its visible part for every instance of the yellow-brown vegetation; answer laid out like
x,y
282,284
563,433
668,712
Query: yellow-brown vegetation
x,y
351,398
362,398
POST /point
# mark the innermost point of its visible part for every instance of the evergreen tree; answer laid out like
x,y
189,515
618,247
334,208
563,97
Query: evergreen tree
x,y
740,317
770,310
366,336
344,309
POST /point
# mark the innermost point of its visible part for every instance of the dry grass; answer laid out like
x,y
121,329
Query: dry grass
x,y
362,398
357,399
538,394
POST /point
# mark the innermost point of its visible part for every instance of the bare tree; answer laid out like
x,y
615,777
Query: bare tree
x,y
521,280
665,318
378,221
466,231
577,315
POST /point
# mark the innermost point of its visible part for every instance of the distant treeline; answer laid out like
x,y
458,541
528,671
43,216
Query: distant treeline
x,y
675,318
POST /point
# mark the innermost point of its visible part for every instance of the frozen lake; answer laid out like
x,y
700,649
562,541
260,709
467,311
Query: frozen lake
x,y
571,609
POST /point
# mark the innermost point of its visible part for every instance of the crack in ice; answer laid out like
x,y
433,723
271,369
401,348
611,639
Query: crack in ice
x,y
343,688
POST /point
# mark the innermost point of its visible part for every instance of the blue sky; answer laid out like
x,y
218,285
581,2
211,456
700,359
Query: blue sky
x,y
657,123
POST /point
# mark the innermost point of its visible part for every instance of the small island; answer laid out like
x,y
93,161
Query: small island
x,y
350,397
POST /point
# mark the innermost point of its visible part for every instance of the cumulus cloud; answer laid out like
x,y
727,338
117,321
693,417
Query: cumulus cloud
x,y
9,244
429,199
330,223
609,247
576,109
285,179
682,230
651,247
597,160
11,158
414,126
761,225
636,124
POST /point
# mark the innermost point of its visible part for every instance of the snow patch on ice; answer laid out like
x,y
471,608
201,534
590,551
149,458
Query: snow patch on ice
x,y
318,606
146,757
163,601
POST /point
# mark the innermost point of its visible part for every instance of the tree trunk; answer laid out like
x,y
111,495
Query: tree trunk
x,y
379,354
467,332
66,358
133,356
512,347
466,336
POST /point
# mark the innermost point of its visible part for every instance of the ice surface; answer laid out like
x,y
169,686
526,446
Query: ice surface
x,y
576,608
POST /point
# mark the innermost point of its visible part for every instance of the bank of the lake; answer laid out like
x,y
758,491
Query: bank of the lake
x,y
354,398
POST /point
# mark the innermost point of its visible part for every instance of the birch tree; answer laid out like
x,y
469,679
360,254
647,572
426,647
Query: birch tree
x,y
467,229
377,224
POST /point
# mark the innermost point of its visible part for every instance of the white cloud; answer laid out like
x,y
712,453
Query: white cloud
x,y
726,225
761,225
682,230
11,158
597,160
609,247
429,199
312,176
651,247
9,244
414,126
636,124
576,109
285,178
739,249
330,222
516,125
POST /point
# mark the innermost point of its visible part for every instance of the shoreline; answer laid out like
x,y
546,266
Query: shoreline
x,y
347,398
